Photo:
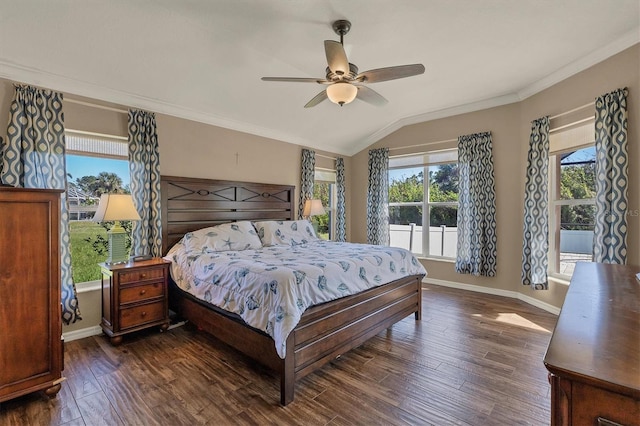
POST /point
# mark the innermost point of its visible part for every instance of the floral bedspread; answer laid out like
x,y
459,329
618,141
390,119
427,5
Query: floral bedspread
x,y
271,287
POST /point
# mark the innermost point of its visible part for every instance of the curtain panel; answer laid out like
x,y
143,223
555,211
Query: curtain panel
x,y
341,227
144,167
34,157
306,178
610,233
476,206
378,197
535,239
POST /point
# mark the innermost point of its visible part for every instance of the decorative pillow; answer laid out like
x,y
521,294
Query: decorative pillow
x,y
226,237
285,233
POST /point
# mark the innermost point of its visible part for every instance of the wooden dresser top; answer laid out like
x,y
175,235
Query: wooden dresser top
x,y
597,337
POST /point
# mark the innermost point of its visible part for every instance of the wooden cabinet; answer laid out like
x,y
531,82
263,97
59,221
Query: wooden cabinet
x,y
134,297
594,353
30,313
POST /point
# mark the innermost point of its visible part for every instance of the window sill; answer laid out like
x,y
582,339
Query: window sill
x,y
88,286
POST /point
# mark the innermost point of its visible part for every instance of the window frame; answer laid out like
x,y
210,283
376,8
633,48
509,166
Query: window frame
x,y
555,206
324,175
108,153
426,203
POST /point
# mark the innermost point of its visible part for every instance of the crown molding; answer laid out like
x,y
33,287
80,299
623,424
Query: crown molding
x,y
629,39
38,77
626,41
434,115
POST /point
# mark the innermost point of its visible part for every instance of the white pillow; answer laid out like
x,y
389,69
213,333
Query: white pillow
x,y
285,232
226,237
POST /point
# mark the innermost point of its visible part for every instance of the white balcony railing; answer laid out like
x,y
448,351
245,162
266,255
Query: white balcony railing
x,y
442,239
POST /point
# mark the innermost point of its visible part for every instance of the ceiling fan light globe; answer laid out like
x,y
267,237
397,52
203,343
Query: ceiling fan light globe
x,y
342,93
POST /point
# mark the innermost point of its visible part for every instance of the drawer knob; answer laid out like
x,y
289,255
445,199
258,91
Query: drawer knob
x,y
143,292
144,314
143,275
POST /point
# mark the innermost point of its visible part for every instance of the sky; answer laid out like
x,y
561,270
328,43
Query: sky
x,y
80,165
401,174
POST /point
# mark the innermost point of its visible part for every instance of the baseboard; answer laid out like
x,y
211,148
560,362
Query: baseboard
x,y
539,304
96,330
70,336
496,292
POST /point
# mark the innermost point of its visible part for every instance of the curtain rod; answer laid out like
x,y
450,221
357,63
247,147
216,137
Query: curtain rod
x,y
89,104
423,144
573,110
100,135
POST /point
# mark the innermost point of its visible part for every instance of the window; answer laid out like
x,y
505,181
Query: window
x,y
409,198
95,165
572,199
324,189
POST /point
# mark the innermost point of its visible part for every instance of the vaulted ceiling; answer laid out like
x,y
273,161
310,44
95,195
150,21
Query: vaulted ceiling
x,y
203,59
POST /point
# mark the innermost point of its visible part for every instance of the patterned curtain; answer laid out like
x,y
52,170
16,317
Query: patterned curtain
x,y
535,240
476,206
34,157
144,167
341,227
610,233
378,197
306,178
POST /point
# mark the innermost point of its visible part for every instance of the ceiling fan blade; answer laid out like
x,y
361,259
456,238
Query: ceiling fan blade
x,y
336,57
317,99
296,80
370,96
390,73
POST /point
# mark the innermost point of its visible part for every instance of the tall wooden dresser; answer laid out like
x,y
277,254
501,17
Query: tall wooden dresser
x,y
31,356
594,352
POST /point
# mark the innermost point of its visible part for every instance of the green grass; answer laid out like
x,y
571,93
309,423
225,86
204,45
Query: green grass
x,y
84,259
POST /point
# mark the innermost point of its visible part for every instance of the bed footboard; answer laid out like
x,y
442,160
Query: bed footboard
x,y
323,333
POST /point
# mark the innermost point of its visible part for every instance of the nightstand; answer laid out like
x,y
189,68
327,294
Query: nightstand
x,y
134,297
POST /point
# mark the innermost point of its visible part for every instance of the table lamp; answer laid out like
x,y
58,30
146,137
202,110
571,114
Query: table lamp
x,y
116,207
312,208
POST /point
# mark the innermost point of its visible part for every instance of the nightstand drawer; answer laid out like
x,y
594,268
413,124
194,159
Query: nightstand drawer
x,y
138,315
134,297
141,275
141,292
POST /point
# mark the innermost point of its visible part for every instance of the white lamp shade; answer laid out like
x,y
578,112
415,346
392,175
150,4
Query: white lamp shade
x,y
313,208
342,92
115,207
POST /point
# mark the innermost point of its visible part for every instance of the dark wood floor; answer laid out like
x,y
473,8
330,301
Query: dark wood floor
x,y
474,359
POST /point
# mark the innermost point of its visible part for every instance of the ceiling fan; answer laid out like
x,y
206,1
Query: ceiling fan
x,y
343,81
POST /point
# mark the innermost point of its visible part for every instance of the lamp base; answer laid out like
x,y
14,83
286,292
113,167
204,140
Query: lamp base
x,y
117,245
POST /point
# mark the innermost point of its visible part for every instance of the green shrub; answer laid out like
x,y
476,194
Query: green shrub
x,y
84,258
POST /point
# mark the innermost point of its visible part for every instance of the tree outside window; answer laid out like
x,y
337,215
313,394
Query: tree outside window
x,y
408,199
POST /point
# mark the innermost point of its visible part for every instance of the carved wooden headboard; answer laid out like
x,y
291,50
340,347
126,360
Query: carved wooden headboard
x,y
189,204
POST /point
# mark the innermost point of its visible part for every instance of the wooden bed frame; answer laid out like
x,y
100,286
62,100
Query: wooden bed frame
x,y
325,331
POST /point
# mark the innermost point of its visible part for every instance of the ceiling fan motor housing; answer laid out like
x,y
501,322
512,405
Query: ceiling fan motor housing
x,y
353,72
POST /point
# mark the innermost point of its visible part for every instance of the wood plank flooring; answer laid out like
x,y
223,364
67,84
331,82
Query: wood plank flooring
x,y
474,359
